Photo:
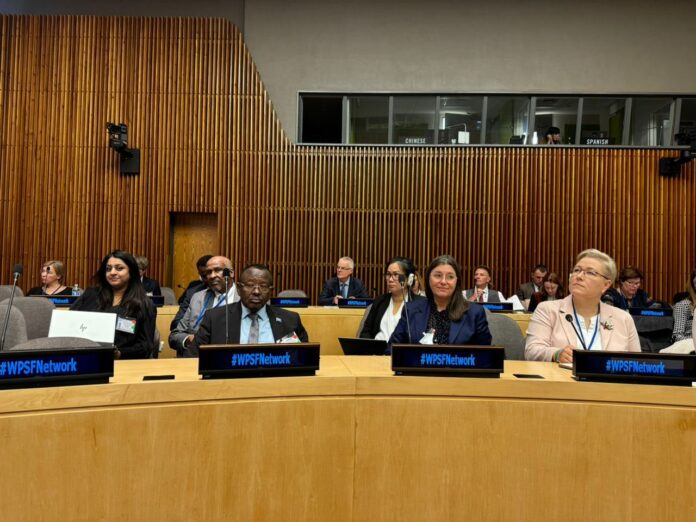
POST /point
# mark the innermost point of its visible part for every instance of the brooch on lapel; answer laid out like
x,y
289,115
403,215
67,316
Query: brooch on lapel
x,y
607,325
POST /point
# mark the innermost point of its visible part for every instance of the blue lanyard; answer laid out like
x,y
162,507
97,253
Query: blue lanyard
x,y
582,330
205,308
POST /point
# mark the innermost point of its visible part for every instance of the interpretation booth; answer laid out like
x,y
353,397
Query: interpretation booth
x,y
208,168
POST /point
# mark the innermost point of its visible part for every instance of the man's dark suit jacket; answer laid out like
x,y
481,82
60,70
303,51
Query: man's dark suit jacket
x,y
472,328
151,286
212,328
332,289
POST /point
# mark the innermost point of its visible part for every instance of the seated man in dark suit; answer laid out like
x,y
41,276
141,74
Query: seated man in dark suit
x,y
342,286
251,320
526,290
151,286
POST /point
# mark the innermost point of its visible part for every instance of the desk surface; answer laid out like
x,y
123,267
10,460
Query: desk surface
x,y
323,447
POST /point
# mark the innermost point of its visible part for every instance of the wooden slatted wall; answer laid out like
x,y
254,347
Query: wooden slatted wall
x,y
210,142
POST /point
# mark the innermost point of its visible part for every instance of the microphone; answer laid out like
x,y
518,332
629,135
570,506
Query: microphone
x,y
405,292
227,274
17,271
569,318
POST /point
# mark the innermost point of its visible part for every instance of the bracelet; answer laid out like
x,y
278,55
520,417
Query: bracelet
x,y
556,356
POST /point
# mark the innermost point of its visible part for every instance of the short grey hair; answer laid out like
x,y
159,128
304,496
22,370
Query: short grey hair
x,y
350,260
606,259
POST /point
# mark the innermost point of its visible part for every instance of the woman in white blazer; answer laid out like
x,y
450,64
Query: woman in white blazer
x,y
581,321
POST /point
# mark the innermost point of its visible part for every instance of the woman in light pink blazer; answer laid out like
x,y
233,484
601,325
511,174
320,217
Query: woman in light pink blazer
x,y
581,321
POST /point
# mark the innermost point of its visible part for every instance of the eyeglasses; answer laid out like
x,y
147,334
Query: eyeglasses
x,y
446,277
392,275
632,283
343,269
587,273
263,287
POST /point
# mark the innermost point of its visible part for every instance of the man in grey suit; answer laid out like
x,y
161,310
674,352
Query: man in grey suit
x,y
526,290
211,297
252,320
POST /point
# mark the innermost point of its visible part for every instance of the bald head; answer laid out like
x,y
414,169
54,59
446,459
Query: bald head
x,y
214,272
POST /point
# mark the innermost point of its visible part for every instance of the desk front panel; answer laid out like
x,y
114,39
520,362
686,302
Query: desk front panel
x,y
352,443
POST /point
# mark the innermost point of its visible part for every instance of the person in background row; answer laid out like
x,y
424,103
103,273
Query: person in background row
x,y
551,289
483,291
444,317
52,277
151,286
553,136
384,314
194,286
684,312
628,293
418,285
118,290
213,296
525,291
252,320
343,285
581,320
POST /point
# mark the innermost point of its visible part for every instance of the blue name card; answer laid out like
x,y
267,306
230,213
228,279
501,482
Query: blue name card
x,y
65,367
635,367
651,312
448,360
498,307
290,302
258,360
354,303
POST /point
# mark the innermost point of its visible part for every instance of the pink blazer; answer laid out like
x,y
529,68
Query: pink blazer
x,y
549,331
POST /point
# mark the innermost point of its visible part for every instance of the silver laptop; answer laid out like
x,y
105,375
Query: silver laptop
x,y
99,327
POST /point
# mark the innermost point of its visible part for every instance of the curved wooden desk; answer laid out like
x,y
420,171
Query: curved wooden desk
x,y
324,325
352,443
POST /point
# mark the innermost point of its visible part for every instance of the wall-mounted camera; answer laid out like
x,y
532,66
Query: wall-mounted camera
x,y
118,140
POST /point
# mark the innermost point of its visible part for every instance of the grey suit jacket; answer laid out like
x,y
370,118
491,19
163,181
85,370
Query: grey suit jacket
x,y
525,291
187,324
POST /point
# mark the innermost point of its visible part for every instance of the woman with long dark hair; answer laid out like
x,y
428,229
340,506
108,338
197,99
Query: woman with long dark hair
x,y
551,289
444,317
385,312
118,290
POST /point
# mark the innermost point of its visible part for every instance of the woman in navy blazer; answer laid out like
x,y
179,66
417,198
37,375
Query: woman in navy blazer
x,y
445,317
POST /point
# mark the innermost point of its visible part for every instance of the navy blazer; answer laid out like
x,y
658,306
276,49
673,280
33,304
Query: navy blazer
x,y
472,328
332,289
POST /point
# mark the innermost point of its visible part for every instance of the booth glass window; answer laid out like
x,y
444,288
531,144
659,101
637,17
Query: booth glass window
x,y
322,117
414,120
459,119
368,118
561,113
507,119
650,122
602,121
687,119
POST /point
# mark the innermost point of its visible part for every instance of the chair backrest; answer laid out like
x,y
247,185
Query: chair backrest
x,y
362,321
37,314
6,291
16,327
169,296
55,343
506,333
292,293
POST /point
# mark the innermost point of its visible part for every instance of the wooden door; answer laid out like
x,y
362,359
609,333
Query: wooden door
x,y
192,235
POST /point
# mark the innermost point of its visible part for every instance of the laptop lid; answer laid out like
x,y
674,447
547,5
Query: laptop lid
x,y
352,346
96,326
